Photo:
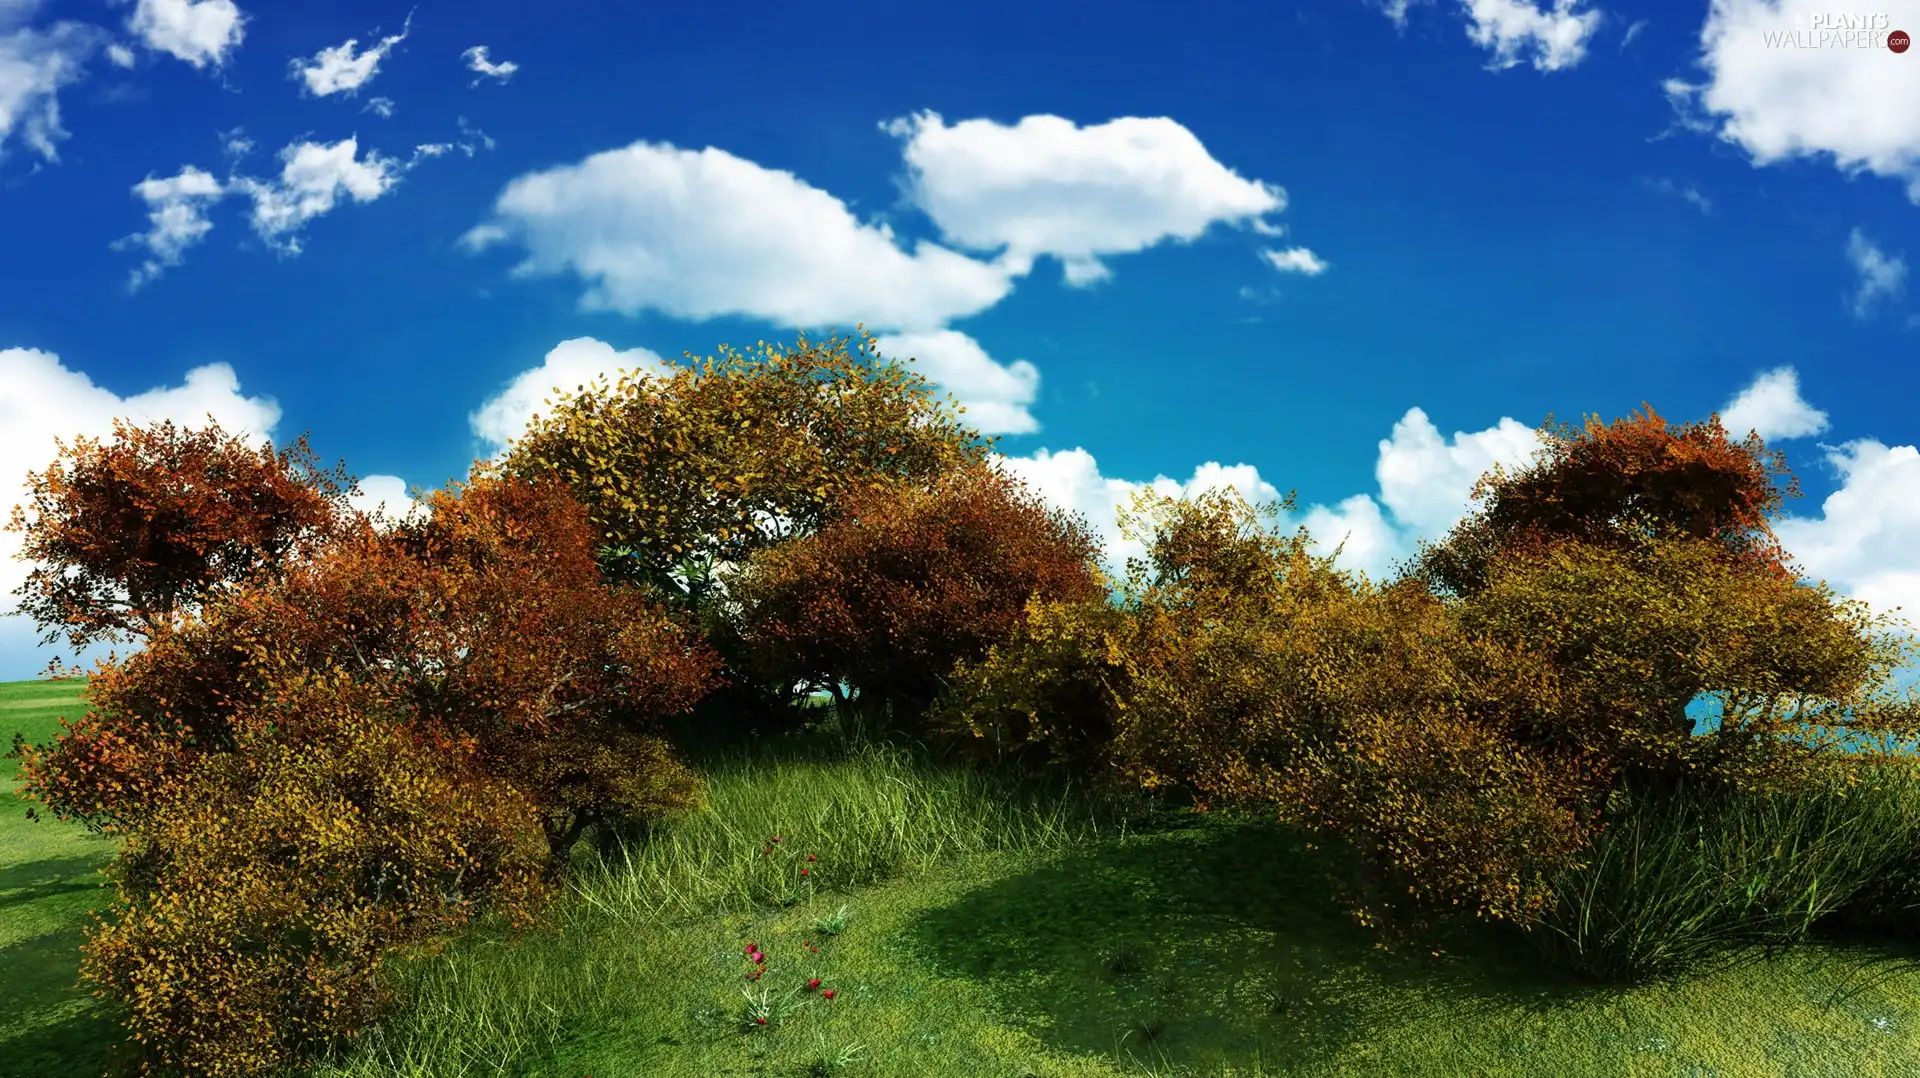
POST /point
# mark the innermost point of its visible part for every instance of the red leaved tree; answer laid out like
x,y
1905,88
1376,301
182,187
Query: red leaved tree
x,y
130,533
1608,482
909,579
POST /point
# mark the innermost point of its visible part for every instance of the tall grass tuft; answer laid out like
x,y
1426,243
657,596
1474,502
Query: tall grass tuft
x,y
1678,883
491,1004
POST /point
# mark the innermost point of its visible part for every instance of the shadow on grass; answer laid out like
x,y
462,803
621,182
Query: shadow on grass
x,y
1213,942
32,881
50,1027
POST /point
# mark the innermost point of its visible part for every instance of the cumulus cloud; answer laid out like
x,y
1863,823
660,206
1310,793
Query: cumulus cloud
x,y
996,396
203,33
479,63
1047,186
1425,483
1296,260
1773,408
1879,277
40,400
703,234
1071,479
344,68
35,64
120,56
1776,98
571,364
1521,31
388,497
176,219
1866,541
1427,480
697,234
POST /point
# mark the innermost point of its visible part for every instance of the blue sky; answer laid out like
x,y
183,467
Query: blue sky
x,y
1354,249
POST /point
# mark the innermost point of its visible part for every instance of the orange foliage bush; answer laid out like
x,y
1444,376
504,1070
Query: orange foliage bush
x,y
1606,482
131,532
401,729
906,581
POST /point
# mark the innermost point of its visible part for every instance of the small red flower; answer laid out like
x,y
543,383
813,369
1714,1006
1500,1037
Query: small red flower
x,y
828,994
813,857
759,959
803,872
813,983
760,1021
776,838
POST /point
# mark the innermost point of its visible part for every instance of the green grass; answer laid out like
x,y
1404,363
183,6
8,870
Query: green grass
x,y
989,931
49,880
992,938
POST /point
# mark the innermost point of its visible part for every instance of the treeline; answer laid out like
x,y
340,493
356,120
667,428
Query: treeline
x,y
345,738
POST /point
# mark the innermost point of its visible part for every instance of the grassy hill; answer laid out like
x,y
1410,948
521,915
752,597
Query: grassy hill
x,y
49,879
981,931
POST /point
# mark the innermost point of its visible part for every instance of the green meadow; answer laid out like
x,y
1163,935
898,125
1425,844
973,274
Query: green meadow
x,y
975,926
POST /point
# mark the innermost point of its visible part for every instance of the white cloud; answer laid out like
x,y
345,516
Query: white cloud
x,y
120,56
1881,277
200,32
1071,480
176,217
996,396
1773,408
1427,480
1296,260
314,178
1866,542
477,61
386,495
698,234
571,364
1633,31
382,107
1425,485
1777,99
1521,31
1047,186
35,64
343,70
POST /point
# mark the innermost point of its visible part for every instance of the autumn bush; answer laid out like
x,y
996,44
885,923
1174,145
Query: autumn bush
x,y
689,471
269,889
1476,727
349,757
907,580
1047,695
